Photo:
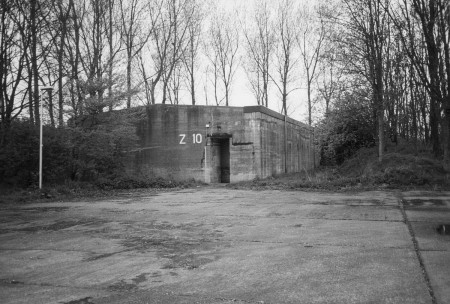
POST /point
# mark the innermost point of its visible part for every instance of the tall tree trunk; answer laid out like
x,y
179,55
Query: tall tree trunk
x,y
380,123
192,67
50,107
308,82
192,88
227,96
129,79
111,57
447,135
60,84
152,91
34,64
428,15
79,100
265,99
266,80
63,23
31,102
164,97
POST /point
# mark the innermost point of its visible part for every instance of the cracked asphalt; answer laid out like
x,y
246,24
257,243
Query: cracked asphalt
x,y
217,245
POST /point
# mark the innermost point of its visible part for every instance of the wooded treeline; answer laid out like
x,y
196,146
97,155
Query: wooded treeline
x,y
382,63
395,57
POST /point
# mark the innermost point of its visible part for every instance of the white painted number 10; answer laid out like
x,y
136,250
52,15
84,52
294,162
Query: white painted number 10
x,y
196,139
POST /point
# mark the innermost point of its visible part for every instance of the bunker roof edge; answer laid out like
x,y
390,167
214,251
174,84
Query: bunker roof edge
x,y
246,110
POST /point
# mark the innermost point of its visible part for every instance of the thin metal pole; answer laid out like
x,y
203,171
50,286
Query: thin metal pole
x,y
207,175
285,143
40,140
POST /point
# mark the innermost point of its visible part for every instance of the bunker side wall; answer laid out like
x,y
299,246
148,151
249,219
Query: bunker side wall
x,y
269,134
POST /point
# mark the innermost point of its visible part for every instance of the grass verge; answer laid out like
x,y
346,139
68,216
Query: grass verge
x,y
398,170
103,187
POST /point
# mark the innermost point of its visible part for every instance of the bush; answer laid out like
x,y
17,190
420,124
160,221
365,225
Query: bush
x,y
19,154
71,153
348,127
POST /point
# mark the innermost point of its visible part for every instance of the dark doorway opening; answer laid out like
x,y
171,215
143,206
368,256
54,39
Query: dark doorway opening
x,y
221,159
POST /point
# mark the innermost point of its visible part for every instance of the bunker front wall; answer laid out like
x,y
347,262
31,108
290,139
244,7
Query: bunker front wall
x,y
176,143
217,144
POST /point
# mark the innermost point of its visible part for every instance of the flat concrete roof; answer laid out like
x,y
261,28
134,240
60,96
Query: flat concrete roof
x,y
246,109
269,112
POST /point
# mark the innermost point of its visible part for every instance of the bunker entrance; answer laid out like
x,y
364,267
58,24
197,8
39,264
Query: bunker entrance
x,y
220,162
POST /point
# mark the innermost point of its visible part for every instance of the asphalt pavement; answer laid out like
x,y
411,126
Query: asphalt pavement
x,y
218,245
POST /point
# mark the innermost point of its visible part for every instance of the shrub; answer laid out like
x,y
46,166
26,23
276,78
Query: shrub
x,y
348,127
19,154
74,153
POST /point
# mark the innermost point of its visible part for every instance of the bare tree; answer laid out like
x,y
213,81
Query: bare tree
x,y
34,7
255,80
146,82
368,25
331,80
329,84
190,55
310,39
93,27
285,51
259,49
212,73
110,36
435,26
424,25
223,40
74,54
169,21
14,46
174,85
133,35
63,15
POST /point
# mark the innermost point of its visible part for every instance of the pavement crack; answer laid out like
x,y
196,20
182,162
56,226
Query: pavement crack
x,y
350,219
310,245
433,250
46,249
15,282
417,250
312,218
224,299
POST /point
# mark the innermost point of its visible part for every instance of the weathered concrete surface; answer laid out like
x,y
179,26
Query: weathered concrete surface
x,y
215,245
426,211
184,142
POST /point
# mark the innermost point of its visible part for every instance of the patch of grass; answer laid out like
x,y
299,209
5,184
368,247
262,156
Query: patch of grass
x,y
321,179
403,170
403,167
103,187
136,182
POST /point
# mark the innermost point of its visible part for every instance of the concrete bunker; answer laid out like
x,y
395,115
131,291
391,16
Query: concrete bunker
x,y
219,144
